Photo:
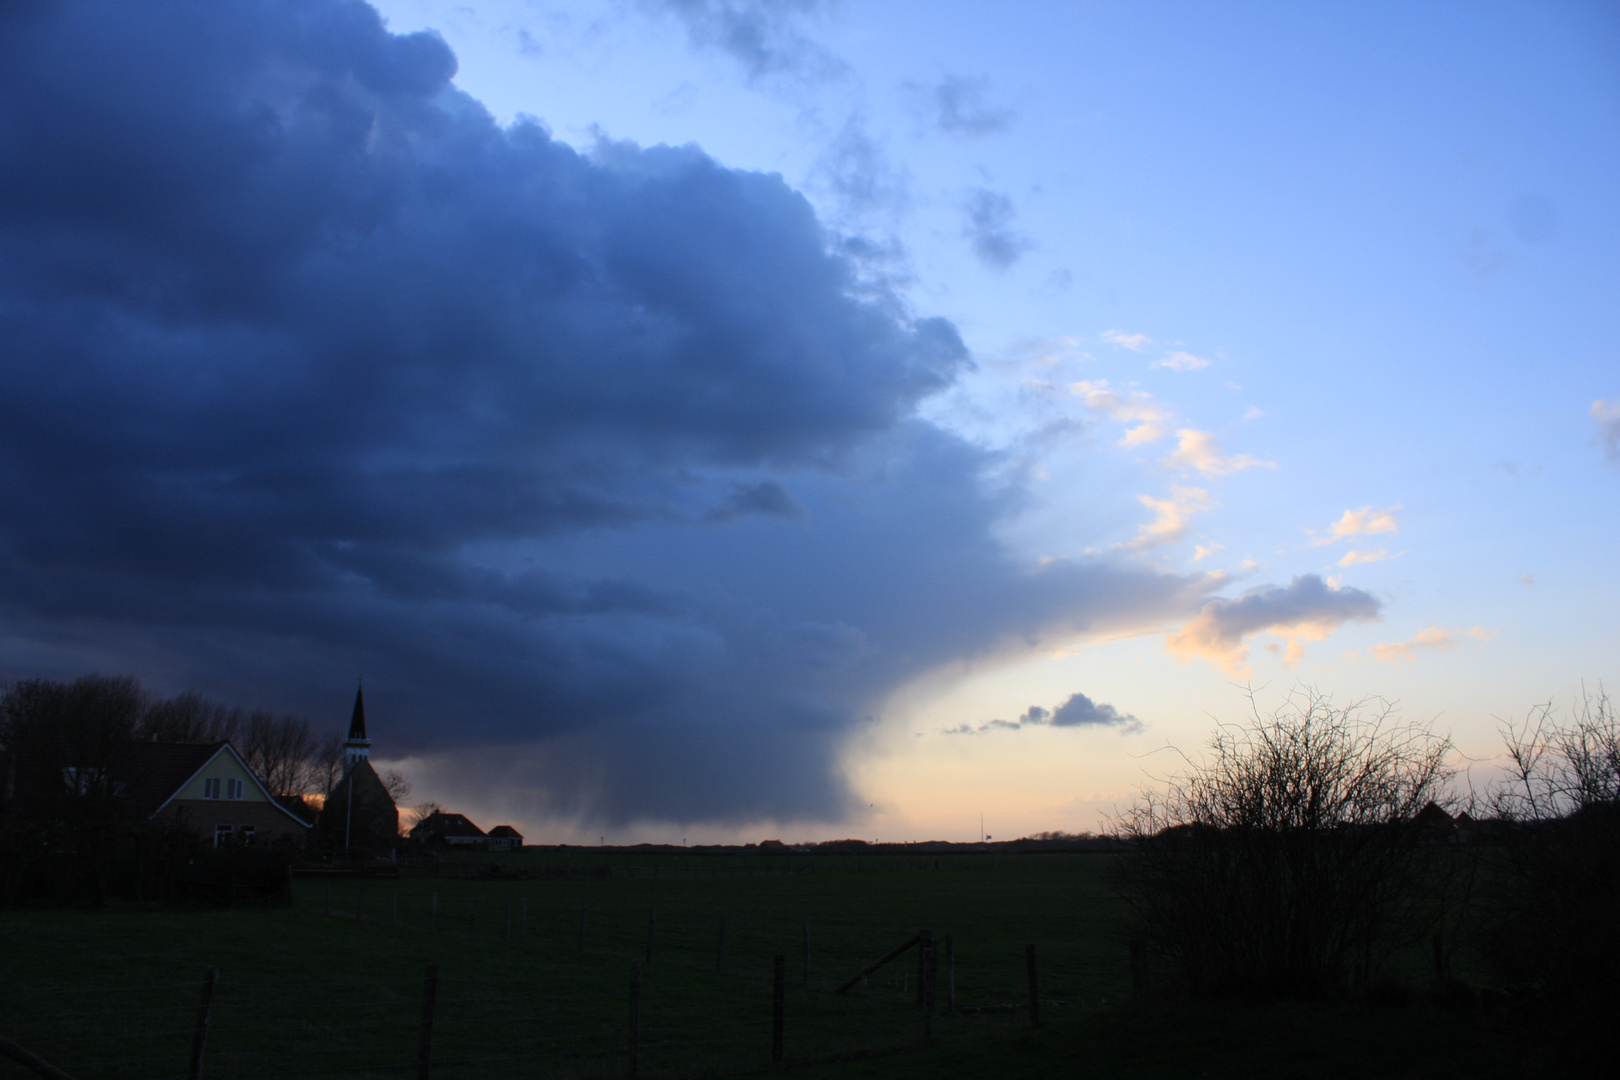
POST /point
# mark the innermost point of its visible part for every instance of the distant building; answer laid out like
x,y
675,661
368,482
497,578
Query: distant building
x,y
451,830
359,819
505,838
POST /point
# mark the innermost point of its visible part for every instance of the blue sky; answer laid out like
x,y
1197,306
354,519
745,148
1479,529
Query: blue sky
x,y
1069,366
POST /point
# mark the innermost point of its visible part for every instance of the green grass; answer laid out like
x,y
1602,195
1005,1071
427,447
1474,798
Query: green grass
x,y
109,994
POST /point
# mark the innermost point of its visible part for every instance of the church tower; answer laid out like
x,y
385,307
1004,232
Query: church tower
x,y
356,748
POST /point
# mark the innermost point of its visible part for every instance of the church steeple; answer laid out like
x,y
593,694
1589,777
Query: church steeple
x,y
356,748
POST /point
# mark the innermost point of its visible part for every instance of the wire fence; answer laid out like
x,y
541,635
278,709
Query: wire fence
x,y
628,991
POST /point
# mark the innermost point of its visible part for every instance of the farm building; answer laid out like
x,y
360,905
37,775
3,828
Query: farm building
x,y
449,830
505,838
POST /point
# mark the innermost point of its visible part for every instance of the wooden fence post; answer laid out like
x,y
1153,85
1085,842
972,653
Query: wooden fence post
x,y
925,941
205,1008
930,973
950,973
720,946
778,1007
652,926
424,1042
635,1015
807,954
1034,991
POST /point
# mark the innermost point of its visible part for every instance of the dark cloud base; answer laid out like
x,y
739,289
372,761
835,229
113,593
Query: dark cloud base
x,y
601,463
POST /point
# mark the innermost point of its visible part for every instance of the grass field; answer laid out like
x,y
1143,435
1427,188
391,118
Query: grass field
x,y
333,987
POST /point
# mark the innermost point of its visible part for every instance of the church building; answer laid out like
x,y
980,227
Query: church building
x,y
359,819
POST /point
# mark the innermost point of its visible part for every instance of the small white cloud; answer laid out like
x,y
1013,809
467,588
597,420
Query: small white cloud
x,y
1204,551
1363,522
1134,342
1171,517
1358,558
1434,637
1253,412
1147,421
1198,450
1182,361
1607,415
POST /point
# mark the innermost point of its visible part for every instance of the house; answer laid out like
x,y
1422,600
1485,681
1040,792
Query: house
x,y
208,790
450,830
505,838
358,817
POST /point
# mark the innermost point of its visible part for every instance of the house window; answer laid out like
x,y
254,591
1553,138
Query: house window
x,y
222,834
211,789
233,789
246,833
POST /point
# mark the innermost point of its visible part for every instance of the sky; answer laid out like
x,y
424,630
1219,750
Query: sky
x,y
706,421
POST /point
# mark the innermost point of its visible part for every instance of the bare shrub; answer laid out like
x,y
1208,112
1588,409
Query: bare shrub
x,y
1283,862
1555,922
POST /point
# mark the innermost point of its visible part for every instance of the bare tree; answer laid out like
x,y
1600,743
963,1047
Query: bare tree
x,y
1556,913
69,739
191,718
1283,862
398,787
326,770
281,750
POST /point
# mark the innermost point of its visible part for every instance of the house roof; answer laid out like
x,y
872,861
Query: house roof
x,y
505,830
157,772
447,824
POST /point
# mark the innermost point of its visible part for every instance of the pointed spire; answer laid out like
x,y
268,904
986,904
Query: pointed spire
x,y
357,723
357,747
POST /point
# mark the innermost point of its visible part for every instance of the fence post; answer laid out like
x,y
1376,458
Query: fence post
x,y
652,925
1034,992
925,942
205,1008
508,920
929,969
635,1014
433,914
720,946
950,972
807,954
424,1044
778,1007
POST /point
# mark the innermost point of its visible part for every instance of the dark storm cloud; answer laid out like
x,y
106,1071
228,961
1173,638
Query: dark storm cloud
x,y
990,229
957,106
764,36
599,466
